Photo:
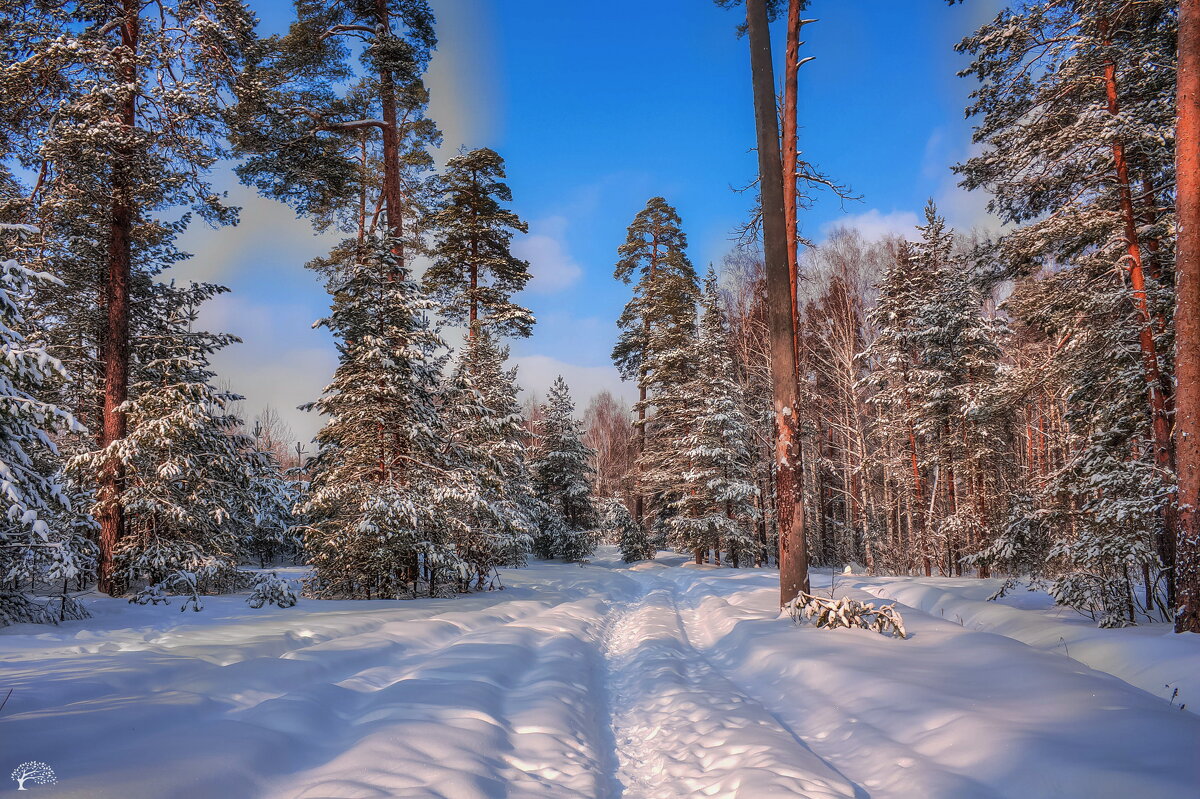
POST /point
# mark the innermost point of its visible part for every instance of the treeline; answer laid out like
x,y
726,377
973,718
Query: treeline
x,y
123,461
995,405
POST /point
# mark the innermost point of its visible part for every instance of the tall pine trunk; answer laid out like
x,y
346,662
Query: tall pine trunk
x,y
791,159
639,501
115,345
793,555
473,321
391,140
1187,319
1160,425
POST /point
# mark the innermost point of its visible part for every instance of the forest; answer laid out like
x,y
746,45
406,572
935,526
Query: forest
x,y
966,404
944,419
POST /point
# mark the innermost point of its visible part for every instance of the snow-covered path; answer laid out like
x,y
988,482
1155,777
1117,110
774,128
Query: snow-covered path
x,y
600,681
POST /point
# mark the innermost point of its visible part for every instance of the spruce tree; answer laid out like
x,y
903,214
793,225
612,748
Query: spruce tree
x,y
956,364
474,274
184,458
714,508
40,539
562,478
934,362
486,437
630,537
270,528
383,512
892,360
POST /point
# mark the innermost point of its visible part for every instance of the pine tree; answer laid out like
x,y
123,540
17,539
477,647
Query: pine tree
x,y
562,478
657,327
345,143
117,109
715,506
793,554
474,273
1075,117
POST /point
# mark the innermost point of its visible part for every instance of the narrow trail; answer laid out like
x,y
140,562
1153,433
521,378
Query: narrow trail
x,y
682,730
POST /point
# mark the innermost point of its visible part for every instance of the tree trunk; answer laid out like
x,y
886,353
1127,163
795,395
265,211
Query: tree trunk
x,y
639,500
917,512
1160,425
474,267
793,555
953,546
791,160
474,319
362,190
1187,319
115,346
392,193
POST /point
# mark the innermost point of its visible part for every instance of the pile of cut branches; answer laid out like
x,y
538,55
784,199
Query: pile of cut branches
x,y
846,612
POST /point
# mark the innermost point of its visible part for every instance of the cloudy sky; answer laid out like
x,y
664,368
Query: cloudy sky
x,y
597,107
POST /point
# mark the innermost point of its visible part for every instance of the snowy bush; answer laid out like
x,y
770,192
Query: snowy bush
x,y
577,545
17,607
621,528
271,589
846,612
1107,599
180,583
1021,549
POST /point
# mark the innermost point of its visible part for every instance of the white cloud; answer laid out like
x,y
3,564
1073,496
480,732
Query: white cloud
x,y
268,233
874,225
967,210
282,361
536,373
552,267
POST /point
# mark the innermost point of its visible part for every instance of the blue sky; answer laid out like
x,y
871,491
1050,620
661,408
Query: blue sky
x,y
596,107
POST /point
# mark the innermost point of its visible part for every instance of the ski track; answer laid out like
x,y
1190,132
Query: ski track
x,y
682,730
602,682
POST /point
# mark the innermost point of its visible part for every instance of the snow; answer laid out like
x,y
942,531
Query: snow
x,y
1149,656
603,680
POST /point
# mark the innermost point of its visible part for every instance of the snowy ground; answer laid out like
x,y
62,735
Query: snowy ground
x,y
602,681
